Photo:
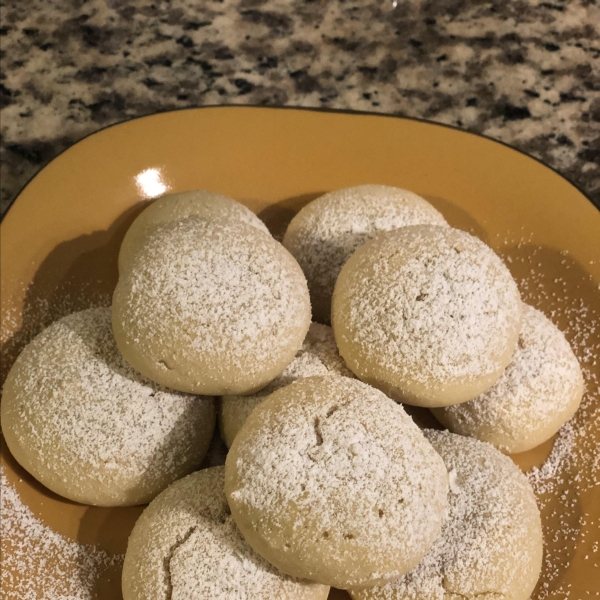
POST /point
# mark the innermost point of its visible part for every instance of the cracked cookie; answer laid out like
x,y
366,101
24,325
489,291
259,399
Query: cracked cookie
x,y
211,306
174,207
87,426
325,233
428,314
540,391
317,356
330,480
490,547
185,546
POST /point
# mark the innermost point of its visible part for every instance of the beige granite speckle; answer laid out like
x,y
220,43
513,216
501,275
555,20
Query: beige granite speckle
x,y
525,72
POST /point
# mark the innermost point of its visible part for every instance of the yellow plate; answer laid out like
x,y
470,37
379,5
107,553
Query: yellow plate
x,y
60,241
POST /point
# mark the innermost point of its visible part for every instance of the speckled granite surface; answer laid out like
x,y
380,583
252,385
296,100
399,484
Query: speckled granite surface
x,y
524,72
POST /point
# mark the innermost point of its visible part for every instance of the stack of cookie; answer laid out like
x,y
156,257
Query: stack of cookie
x,y
328,482
431,316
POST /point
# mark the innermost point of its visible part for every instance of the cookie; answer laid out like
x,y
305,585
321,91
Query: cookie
x,y
540,391
325,233
491,542
211,306
317,356
330,480
185,545
173,207
90,428
428,314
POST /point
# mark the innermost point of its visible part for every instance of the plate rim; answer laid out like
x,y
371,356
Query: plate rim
x,y
346,111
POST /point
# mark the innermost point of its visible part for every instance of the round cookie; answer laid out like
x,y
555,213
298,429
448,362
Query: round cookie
x,y
325,233
90,428
185,545
211,306
540,391
317,356
491,543
428,314
173,207
330,480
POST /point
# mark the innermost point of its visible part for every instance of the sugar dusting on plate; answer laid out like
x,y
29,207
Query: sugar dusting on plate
x,y
555,283
53,565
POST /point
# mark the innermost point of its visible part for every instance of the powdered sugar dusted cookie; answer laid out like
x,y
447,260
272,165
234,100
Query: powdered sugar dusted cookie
x,y
540,390
211,306
317,356
325,233
185,546
491,542
90,428
330,480
174,207
428,314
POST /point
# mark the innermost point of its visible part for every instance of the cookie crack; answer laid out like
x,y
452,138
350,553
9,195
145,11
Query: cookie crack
x,y
318,433
167,560
336,407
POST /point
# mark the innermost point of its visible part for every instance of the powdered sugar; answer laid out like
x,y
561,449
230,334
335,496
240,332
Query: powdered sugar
x,y
174,207
325,233
543,479
429,305
20,325
186,546
89,427
38,563
332,472
538,392
210,306
491,541
317,356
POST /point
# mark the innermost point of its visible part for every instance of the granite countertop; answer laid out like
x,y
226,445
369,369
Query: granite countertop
x,y
525,72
